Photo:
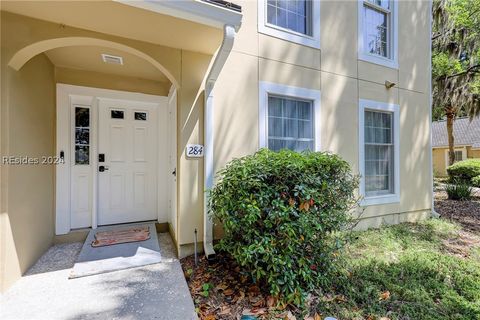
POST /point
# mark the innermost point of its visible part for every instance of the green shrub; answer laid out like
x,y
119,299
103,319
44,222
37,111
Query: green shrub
x,y
476,181
458,191
280,213
464,170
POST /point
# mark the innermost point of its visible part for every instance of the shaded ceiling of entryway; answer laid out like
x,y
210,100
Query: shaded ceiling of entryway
x,y
89,58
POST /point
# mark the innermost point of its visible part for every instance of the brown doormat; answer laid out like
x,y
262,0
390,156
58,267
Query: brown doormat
x,y
133,234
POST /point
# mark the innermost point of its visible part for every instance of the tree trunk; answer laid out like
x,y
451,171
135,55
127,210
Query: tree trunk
x,y
451,139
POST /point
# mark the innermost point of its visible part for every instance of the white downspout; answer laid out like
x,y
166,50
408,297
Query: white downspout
x,y
430,102
220,58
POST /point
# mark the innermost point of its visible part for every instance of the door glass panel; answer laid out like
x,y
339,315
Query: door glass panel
x,y
82,154
140,116
117,114
82,136
82,117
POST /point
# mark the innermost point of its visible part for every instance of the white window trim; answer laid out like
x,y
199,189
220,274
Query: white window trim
x,y
395,109
267,88
464,155
290,35
391,62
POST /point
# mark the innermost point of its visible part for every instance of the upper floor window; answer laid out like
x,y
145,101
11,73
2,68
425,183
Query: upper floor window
x,y
378,31
294,15
292,20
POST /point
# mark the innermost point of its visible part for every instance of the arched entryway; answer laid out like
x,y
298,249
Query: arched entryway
x,y
28,52
115,128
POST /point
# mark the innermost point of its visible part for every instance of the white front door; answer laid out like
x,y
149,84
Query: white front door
x,y
127,162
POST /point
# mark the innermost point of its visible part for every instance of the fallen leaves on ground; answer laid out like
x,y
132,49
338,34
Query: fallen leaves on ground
x,y
385,295
231,293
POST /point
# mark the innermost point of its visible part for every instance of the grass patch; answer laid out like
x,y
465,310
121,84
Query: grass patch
x,y
405,272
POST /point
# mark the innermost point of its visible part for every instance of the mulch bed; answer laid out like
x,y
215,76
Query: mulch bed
x,y
221,291
465,213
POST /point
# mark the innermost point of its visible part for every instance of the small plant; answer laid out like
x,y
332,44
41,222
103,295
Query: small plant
x,y
458,191
206,289
281,213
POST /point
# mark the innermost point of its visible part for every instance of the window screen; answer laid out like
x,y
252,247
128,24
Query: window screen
x,y
290,124
379,151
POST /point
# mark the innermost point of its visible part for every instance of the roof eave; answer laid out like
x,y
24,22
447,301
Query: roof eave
x,y
204,12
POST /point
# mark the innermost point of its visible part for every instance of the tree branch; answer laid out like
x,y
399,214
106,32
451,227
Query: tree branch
x,y
473,69
438,35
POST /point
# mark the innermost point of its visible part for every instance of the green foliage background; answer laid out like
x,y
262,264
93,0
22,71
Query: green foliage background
x,y
456,57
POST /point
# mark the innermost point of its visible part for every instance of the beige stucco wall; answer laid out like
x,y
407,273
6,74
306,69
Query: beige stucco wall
x,y
190,130
110,81
28,121
439,164
473,153
343,80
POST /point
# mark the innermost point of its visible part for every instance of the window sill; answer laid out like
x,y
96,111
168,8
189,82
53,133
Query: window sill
x,y
389,63
371,201
292,36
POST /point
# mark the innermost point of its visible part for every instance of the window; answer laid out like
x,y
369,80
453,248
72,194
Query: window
x,y
378,31
140,116
289,117
294,15
290,124
116,114
82,136
379,152
458,155
292,20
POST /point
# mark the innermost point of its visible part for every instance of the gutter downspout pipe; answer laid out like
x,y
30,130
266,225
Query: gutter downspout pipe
x,y
430,102
220,59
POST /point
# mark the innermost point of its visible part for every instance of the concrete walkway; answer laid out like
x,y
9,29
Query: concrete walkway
x,y
157,291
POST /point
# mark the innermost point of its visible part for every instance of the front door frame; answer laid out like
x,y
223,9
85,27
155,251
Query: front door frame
x,y
67,96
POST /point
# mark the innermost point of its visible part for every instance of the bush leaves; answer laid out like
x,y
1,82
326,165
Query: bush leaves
x,y
281,213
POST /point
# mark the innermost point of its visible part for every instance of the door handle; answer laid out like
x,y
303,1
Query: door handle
x,y
174,172
102,168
